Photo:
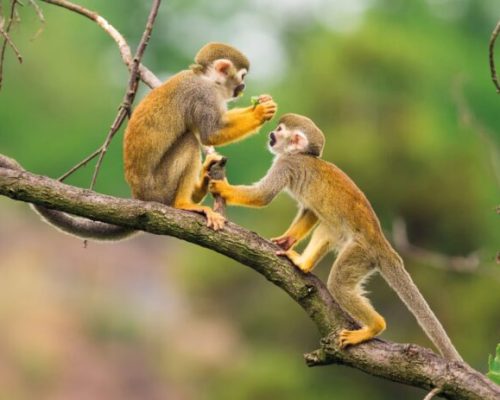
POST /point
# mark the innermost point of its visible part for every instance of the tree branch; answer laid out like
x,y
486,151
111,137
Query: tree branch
x,y
146,75
491,49
133,85
405,363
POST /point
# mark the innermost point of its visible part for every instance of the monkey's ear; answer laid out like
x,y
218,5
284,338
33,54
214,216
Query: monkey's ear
x,y
298,142
299,139
222,65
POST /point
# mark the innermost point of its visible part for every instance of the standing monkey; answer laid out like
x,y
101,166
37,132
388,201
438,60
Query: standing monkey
x,y
162,144
345,223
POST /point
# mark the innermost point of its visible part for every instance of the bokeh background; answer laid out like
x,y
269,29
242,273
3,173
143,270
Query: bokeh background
x,y
403,93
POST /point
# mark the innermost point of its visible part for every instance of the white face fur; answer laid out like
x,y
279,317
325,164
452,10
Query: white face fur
x,y
224,74
287,141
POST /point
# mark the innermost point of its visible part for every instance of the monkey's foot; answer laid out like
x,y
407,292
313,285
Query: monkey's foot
x,y
285,242
351,338
294,257
214,219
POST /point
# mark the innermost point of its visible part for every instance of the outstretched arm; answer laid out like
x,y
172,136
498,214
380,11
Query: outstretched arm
x,y
241,122
305,220
257,195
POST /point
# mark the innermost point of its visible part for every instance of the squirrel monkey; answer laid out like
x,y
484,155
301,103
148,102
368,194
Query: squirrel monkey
x,y
162,144
345,222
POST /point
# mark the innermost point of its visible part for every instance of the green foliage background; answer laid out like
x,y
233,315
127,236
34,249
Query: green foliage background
x,y
156,318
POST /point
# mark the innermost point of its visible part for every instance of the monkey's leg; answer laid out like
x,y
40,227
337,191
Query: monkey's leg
x,y
317,247
300,227
241,122
184,199
348,273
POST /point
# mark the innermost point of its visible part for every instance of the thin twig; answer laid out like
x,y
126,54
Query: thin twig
x,y
13,4
12,45
147,76
493,71
40,16
132,87
80,164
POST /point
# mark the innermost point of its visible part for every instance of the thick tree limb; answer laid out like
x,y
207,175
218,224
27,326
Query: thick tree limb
x,y
405,363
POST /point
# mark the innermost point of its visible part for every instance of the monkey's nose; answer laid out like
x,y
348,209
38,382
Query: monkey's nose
x,y
272,136
238,89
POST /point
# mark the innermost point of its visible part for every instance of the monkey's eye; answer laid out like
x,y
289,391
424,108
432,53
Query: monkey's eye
x,y
243,75
278,128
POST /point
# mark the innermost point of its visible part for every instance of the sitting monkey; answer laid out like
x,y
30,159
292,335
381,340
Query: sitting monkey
x,y
346,223
162,142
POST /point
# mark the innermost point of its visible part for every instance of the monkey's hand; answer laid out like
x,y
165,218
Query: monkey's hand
x,y
220,187
266,108
210,160
284,241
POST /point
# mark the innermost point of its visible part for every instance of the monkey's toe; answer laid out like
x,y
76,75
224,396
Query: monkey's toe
x,y
351,338
215,221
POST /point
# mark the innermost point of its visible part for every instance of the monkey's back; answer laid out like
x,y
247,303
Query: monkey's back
x,y
160,141
334,197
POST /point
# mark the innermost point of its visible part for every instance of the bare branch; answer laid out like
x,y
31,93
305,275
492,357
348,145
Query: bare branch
x,y
132,87
12,45
6,29
493,71
80,164
40,16
146,75
405,363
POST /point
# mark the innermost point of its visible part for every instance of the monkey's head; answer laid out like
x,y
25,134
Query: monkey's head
x,y
296,134
224,65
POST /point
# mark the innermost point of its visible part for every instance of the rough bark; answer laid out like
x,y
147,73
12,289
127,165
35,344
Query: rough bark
x,y
405,363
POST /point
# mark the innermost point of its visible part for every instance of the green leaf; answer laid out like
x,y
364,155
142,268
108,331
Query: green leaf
x,y
494,366
254,100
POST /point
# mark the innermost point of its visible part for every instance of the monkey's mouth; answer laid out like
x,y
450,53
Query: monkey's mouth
x,y
272,139
238,90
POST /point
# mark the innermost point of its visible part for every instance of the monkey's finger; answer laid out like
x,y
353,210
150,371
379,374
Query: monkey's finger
x,y
265,97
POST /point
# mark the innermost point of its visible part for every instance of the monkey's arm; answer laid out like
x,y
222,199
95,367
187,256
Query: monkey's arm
x,y
239,123
300,227
257,195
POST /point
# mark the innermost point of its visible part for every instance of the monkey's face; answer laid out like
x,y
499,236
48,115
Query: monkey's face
x,y
230,80
284,140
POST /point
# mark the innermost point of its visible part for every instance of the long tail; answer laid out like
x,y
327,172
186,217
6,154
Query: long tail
x,y
393,271
82,227
77,226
